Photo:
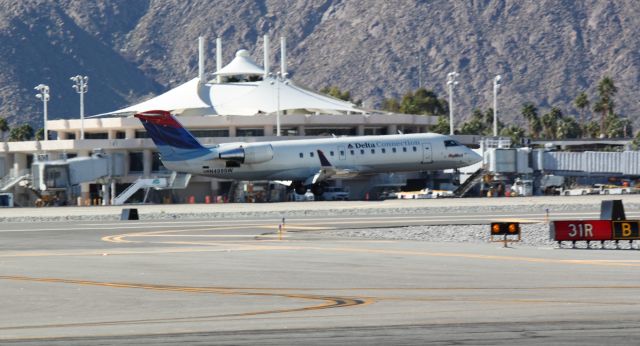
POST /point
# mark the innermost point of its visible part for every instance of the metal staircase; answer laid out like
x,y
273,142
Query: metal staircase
x,y
13,178
468,184
179,180
236,191
142,183
175,181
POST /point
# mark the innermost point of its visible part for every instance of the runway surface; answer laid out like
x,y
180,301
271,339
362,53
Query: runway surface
x,y
239,281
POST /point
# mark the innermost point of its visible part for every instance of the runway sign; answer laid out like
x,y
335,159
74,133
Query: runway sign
x,y
505,228
626,230
589,230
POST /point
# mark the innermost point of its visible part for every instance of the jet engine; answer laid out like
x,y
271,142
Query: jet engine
x,y
254,153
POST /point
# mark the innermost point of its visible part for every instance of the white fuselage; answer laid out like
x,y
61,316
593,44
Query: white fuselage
x,y
298,159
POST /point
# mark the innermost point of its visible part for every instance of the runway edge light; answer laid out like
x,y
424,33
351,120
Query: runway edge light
x,y
505,228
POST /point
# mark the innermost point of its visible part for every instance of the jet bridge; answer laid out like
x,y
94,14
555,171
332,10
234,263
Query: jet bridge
x,y
60,175
587,163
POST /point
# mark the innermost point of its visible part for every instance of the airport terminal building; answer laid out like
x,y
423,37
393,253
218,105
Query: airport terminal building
x,y
241,102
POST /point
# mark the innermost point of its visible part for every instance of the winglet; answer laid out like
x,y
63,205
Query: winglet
x,y
323,160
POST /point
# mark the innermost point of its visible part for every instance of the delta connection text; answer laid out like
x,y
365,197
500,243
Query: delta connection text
x,y
382,144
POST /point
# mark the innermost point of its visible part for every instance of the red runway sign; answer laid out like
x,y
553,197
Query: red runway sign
x,y
591,230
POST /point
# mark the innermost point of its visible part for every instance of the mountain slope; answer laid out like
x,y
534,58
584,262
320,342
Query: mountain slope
x,y
547,51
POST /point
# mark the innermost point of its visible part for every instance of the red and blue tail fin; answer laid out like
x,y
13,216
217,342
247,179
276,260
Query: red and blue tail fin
x,y
174,142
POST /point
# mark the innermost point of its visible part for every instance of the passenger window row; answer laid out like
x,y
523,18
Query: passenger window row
x,y
362,151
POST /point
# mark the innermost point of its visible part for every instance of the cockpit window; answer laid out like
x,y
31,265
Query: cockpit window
x,y
451,143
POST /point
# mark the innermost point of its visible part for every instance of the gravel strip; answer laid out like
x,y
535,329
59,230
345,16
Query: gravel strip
x,y
533,235
241,211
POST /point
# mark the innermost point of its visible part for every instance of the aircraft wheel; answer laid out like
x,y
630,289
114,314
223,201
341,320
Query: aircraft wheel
x,y
299,188
317,189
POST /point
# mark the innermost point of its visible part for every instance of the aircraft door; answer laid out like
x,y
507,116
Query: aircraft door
x,y
427,156
342,152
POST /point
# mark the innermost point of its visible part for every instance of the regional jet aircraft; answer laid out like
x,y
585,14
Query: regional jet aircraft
x,y
305,163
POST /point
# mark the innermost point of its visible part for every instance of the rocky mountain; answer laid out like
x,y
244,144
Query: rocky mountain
x,y
547,51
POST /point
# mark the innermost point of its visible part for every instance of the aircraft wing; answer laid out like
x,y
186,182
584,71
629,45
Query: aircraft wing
x,y
328,171
283,182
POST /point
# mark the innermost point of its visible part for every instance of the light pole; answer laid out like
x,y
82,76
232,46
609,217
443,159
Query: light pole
x,y
44,96
451,82
81,88
496,86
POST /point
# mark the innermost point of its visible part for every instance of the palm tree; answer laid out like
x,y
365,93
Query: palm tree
x,y
581,102
442,126
21,133
549,122
39,134
334,91
592,129
514,132
4,127
568,128
391,105
530,113
618,127
536,127
476,125
604,105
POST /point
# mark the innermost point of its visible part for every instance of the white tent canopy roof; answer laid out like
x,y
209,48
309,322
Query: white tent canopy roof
x,y
245,98
242,64
262,97
185,96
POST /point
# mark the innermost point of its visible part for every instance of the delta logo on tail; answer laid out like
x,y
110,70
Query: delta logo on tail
x,y
174,142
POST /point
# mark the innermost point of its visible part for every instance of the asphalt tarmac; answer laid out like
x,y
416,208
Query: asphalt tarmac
x,y
242,282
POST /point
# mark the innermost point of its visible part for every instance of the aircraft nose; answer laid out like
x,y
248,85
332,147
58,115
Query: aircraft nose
x,y
472,157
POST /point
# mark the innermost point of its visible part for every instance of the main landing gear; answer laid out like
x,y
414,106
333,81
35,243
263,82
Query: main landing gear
x,y
300,188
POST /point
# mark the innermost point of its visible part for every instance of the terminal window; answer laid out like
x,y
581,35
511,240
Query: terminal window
x,y
287,131
375,131
249,132
136,162
156,163
142,134
345,131
211,133
98,135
